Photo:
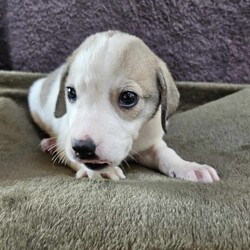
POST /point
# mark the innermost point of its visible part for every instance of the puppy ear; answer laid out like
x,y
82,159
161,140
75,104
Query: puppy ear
x,y
169,95
60,108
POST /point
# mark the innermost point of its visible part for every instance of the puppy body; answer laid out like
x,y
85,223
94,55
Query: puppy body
x,y
111,100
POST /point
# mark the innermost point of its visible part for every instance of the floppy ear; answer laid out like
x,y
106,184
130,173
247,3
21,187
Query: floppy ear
x,y
60,108
169,95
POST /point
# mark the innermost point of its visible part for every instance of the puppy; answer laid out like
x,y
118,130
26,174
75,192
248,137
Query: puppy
x,y
111,100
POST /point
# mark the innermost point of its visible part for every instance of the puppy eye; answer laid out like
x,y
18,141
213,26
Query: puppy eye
x,y
71,92
128,99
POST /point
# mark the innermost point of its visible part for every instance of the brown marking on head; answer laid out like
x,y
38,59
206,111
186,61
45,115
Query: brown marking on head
x,y
146,157
141,66
46,87
162,88
137,65
127,113
60,108
169,95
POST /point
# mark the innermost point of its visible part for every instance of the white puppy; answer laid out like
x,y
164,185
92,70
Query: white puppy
x,y
110,100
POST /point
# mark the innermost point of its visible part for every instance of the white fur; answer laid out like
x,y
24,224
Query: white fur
x,y
93,73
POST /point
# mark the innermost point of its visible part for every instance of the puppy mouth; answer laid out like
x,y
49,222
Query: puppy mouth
x,y
96,164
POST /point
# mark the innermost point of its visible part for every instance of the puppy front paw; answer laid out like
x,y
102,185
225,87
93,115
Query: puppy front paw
x,y
113,173
193,171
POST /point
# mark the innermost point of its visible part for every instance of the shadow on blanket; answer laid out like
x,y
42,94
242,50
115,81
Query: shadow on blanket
x,y
42,206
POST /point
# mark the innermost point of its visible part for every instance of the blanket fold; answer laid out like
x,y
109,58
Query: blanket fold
x,y
42,205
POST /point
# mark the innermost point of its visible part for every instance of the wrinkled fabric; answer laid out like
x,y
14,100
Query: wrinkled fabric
x,y
42,205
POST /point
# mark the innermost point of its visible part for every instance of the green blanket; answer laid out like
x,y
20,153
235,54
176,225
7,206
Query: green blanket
x,y
42,205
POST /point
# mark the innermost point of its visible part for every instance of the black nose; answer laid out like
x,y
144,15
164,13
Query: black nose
x,y
84,149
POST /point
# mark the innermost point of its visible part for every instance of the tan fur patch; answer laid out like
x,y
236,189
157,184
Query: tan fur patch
x,y
137,63
146,157
61,102
46,87
126,114
172,91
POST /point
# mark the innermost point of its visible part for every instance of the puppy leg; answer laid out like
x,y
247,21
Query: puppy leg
x,y
165,159
113,173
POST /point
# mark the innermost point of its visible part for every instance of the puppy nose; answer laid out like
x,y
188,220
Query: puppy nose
x,y
84,149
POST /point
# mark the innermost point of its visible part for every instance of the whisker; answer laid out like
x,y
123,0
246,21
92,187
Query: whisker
x,y
136,153
132,157
121,166
55,153
127,164
55,158
58,151
60,159
60,156
65,160
53,146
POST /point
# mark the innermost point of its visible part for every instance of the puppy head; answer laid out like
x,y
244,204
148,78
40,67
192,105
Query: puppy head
x,y
110,87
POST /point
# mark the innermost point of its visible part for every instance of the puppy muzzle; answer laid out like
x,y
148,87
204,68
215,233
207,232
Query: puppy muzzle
x,y
84,152
84,149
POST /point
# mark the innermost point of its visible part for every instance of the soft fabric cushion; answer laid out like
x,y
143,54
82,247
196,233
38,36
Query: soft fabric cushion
x,y
42,205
